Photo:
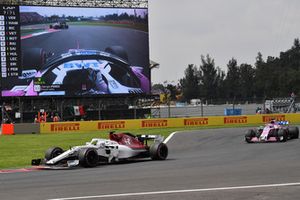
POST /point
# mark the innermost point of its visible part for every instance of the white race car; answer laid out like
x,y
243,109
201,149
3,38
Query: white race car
x,y
119,146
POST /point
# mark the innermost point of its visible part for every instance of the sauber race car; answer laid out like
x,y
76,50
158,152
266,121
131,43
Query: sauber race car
x,y
79,72
272,132
119,146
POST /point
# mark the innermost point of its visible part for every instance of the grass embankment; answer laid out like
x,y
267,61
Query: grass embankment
x,y
26,30
137,26
18,150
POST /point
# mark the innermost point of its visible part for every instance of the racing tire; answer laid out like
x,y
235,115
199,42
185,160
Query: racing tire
x,y
53,152
282,135
33,58
273,133
294,132
258,132
88,157
117,51
158,151
249,135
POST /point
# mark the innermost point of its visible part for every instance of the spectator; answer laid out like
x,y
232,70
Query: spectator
x,y
258,110
42,118
56,118
293,96
268,111
36,119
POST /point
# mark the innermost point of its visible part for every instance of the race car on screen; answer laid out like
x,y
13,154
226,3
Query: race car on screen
x,y
119,147
79,72
272,132
59,25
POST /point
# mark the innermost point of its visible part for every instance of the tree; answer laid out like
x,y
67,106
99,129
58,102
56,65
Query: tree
x,y
289,70
275,77
247,75
259,76
296,44
278,76
190,83
208,77
158,88
172,91
232,79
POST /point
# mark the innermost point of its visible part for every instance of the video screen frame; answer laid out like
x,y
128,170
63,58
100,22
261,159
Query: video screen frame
x,y
76,53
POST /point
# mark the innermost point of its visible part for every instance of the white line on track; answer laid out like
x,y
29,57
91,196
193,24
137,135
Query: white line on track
x,y
169,137
179,191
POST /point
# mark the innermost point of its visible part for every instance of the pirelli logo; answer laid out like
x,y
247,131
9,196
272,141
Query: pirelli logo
x,y
196,122
154,123
276,117
111,125
235,120
65,127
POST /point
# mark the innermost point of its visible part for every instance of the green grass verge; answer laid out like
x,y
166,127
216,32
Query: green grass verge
x,y
137,26
18,150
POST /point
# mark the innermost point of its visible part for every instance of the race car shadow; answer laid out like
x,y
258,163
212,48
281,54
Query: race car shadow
x,y
104,164
127,161
273,142
132,161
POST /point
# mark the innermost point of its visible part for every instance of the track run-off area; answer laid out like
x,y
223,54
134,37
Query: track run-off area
x,y
204,164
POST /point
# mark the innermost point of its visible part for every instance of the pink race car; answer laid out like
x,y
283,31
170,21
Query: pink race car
x,y
272,132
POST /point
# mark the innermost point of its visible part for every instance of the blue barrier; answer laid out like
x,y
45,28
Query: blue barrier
x,y
230,111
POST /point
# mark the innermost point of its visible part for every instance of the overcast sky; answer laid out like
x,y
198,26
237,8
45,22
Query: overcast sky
x,y
182,31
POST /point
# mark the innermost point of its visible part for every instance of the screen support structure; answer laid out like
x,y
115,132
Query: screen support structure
x,y
83,3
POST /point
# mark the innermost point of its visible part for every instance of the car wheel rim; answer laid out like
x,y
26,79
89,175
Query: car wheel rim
x,y
92,158
163,152
56,153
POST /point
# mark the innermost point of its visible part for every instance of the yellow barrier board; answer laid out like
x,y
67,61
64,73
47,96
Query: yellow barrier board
x,y
58,127
81,126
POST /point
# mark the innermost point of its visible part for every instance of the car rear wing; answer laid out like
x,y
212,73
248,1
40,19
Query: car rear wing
x,y
283,122
156,138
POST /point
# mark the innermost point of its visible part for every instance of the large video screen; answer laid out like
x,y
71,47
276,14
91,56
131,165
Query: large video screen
x,y
68,51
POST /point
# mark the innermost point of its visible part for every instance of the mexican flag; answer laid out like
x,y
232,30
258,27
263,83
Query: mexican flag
x,y
79,110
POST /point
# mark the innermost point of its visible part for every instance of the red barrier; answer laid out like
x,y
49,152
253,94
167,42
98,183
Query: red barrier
x,y
7,129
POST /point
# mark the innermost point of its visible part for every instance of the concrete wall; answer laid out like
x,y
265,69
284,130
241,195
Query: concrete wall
x,y
26,128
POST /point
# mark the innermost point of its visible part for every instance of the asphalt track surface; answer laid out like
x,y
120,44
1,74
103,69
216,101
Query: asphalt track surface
x,y
136,43
208,164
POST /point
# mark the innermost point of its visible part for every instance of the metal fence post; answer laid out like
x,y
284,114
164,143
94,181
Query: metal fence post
x,y
134,107
61,110
169,108
201,105
2,113
99,109
21,110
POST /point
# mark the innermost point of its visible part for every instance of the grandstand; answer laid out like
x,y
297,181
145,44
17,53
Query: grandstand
x,y
285,105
